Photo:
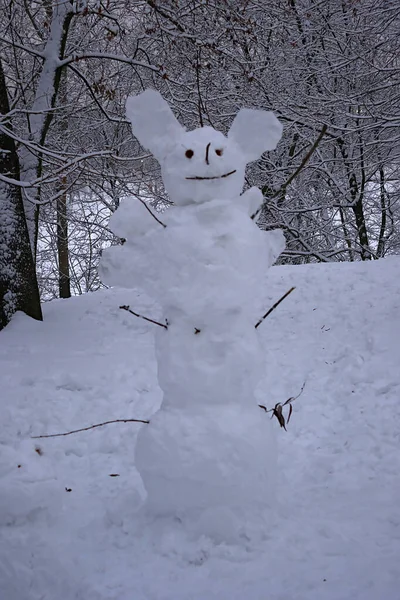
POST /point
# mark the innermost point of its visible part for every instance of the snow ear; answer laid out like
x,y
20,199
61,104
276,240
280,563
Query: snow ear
x,y
255,132
153,122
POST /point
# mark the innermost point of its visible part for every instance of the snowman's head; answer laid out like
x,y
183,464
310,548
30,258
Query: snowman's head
x,y
203,164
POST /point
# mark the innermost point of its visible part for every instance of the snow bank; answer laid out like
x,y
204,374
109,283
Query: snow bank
x,y
337,531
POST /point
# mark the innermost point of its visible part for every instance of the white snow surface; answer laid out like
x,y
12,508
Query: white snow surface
x,y
69,530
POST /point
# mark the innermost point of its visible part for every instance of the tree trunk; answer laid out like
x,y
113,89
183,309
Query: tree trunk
x,y
358,211
62,246
18,283
41,113
381,240
64,281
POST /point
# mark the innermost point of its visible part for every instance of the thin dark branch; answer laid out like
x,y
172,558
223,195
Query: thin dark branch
x,y
124,307
274,306
166,15
152,214
290,400
200,103
297,171
307,157
37,437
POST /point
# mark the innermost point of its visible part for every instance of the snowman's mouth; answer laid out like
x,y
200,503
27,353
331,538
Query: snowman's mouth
x,y
197,177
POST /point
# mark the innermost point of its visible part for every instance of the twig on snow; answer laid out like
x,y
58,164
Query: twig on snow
x,y
125,307
277,411
152,214
37,437
274,306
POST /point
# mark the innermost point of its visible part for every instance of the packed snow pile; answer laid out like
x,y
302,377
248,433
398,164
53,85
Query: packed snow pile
x,y
204,265
70,506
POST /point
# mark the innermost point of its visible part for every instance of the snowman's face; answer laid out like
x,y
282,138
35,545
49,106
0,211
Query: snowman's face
x,y
203,165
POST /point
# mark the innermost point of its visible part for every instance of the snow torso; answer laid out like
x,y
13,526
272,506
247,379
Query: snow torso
x,y
211,255
206,268
211,302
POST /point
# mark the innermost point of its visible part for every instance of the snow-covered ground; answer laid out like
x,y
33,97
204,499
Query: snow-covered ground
x,y
70,530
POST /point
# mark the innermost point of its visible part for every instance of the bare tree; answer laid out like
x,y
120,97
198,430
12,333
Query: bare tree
x,y
18,285
69,67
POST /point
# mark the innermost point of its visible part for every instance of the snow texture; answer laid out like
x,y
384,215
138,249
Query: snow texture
x,y
204,269
337,531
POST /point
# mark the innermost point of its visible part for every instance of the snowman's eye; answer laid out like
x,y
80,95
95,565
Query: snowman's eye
x,y
219,152
189,153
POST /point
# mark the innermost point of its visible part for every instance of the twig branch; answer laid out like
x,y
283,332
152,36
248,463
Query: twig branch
x,y
37,437
124,307
277,410
274,306
297,171
152,214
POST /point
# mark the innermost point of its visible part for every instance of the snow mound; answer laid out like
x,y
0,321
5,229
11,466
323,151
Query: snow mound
x,y
70,524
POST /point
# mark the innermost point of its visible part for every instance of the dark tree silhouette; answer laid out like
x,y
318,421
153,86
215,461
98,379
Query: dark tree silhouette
x,y
18,283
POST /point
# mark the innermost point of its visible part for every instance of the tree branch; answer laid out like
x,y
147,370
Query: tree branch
x,y
124,307
37,437
274,306
104,55
297,171
152,214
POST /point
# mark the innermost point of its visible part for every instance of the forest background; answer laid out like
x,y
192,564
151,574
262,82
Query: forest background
x,y
329,70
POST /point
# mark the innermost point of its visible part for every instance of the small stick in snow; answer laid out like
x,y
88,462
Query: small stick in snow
x,y
152,214
124,307
273,307
277,410
51,435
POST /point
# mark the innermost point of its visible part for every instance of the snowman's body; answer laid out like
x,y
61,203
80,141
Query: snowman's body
x,y
207,455
211,303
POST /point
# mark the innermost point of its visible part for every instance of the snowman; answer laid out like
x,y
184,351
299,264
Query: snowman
x,y
207,458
